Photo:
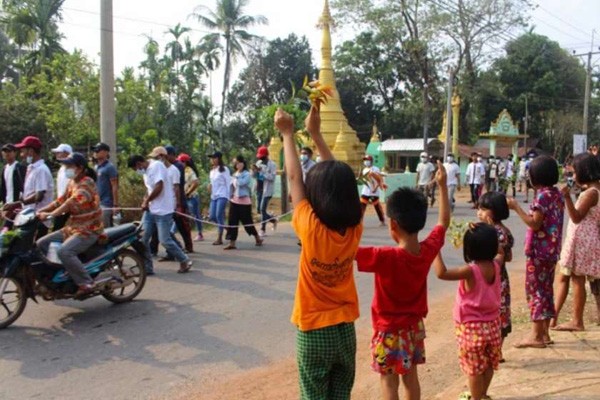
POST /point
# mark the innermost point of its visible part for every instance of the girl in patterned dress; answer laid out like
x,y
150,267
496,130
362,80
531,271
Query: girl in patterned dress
x,y
542,247
493,209
477,307
580,256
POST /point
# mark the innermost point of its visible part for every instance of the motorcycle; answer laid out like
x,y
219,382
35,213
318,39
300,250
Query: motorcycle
x,y
117,268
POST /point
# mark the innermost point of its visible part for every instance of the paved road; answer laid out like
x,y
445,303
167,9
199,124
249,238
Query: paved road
x,y
230,314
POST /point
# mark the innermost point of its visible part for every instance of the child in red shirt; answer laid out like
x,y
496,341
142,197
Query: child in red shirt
x,y
400,299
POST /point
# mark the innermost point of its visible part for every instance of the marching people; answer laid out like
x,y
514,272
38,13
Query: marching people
x,y
268,171
240,204
425,171
83,227
491,175
108,183
38,188
453,178
373,182
158,204
306,161
182,223
474,177
192,183
61,152
12,179
220,187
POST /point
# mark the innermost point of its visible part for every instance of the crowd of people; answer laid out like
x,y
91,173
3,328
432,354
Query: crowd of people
x,y
83,201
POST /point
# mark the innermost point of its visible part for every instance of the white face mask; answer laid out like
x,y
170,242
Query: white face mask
x,y
450,159
140,171
70,173
423,160
29,159
303,157
479,159
367,163
318,159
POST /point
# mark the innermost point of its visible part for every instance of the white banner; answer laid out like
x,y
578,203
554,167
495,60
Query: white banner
x,y
579,144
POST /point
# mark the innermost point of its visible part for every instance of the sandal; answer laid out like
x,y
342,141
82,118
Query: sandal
x,y
184,267
229,247
218,243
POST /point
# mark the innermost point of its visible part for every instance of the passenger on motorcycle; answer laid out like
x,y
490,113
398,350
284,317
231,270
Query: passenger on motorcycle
x,y
84,226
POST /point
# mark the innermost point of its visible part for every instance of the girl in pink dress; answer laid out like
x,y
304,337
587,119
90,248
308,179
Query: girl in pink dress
x,y
477,307
580,256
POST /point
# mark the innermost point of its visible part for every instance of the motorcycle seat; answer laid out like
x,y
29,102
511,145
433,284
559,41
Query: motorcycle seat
x,y
118,232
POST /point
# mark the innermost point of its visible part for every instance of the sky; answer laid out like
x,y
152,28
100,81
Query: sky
x,y
568,22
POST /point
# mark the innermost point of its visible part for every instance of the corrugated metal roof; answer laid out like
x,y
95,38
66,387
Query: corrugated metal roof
x,y
415,145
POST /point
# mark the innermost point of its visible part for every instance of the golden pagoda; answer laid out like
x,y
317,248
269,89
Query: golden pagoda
x,y
336,131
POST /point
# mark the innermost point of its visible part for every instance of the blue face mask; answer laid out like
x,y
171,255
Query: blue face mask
x,y
303,157
70,173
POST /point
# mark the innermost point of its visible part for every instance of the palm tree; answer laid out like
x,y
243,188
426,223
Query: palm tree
x,y
175,46
231,24
35,23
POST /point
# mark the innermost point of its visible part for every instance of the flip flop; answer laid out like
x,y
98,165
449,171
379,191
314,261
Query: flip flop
x,y
533,345
567,328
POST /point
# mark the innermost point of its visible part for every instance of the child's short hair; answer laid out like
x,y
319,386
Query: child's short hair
x,y
480,243
496,203
543,171
408,207
332,192
587,168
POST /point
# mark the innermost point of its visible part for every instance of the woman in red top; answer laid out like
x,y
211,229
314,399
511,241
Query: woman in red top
x,y
84,226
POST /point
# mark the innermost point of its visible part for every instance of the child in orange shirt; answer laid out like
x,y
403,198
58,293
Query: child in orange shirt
x,y
327,220
400,299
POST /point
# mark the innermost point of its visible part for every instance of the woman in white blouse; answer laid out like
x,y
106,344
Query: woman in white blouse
x,y
220,187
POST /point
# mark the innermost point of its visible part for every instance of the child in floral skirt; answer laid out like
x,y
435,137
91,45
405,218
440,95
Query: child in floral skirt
x,y
542,247
477,307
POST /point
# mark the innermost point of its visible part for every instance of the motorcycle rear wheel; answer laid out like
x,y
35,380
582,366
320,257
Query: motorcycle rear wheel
x,y
131,266
12,302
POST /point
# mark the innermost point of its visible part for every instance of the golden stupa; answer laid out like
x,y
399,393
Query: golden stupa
x,y
336,131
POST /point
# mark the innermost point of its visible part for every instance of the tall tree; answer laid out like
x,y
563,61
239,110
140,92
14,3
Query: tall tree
x,y
232,25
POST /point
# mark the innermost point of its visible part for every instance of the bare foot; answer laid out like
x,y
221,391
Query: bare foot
x,y
569,327
552,323
529,342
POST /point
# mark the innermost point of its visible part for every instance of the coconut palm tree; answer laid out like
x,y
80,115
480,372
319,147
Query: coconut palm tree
x,y
231,26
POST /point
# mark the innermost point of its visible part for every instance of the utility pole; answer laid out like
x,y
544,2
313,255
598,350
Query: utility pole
x,y
526,124
449,112
588,84
425,116
107,77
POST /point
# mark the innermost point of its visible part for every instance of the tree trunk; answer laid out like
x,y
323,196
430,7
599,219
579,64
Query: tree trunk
x,y
225,86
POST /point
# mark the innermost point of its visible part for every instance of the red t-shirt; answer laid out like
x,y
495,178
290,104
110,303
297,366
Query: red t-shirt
x,y
400,298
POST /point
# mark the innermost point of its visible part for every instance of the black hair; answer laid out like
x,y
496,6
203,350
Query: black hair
x,y
192,165
587,168
90,172
240,158
543,171
496,203
133,160
408,207
308,150
220,163
480,243
332,193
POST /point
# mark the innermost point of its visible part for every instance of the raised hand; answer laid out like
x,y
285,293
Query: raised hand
x,y
284,122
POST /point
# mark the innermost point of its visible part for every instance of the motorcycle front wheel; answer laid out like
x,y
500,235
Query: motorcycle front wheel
x,y
12,300
131,270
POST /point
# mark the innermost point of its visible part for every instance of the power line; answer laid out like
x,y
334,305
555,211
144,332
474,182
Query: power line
x,y
562,20
557,29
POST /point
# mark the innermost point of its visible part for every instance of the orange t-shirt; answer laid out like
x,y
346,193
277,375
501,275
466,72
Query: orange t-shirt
x,y
326,292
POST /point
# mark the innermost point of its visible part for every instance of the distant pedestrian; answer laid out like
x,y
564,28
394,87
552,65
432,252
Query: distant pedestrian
x,y
240,204
542,247
306,161
477,307
61,152
371,191
268,171
12,179
108,183
181,222
192,183
425,173
453,178
474,177
220,191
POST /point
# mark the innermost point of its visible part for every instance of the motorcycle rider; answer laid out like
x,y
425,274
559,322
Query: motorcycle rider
x,y
84,226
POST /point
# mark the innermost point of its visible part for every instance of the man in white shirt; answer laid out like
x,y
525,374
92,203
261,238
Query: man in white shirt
x,y
425,171
371,189
38,189
159,205
474,178
453,180
61,152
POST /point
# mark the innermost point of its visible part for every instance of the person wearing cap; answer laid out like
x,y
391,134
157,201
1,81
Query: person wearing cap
x,y
453,178
108,183
220,192
38,188
84,225
61,152
268,170
371,190
178,180
191,192
425,175
12,179
158,204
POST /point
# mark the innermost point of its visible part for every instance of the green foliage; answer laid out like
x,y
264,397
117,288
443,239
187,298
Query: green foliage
x,y
264,126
